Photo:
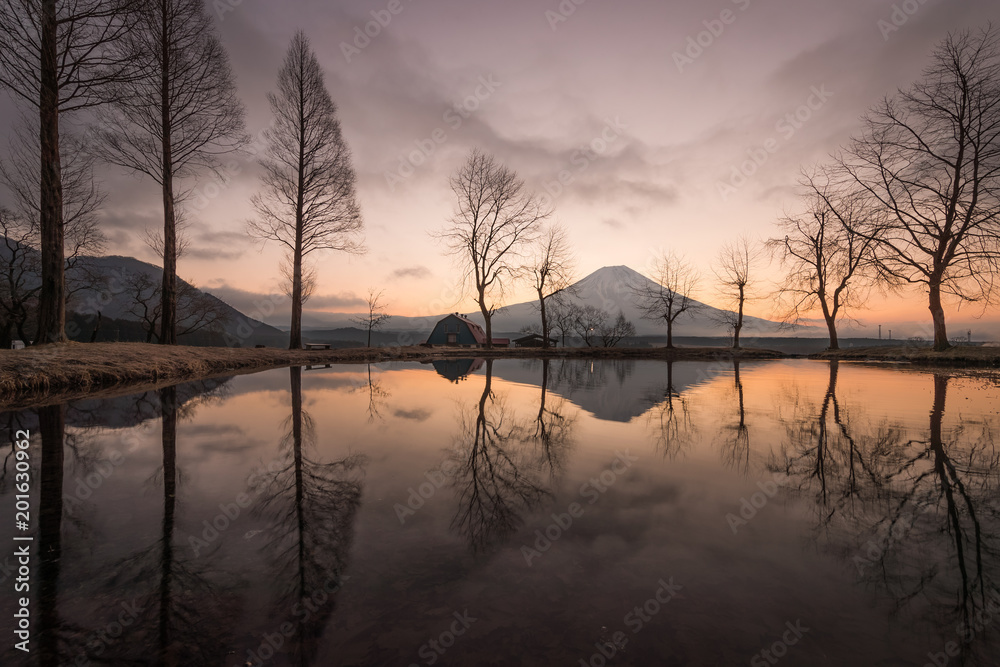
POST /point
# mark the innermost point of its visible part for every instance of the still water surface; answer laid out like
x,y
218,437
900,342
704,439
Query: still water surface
x,y
518,512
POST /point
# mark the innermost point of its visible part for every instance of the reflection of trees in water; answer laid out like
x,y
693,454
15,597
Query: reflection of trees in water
x,y
152,578
378,397
311,507
497,478
670,418
553,428
51,634
919,519
736,435
183,606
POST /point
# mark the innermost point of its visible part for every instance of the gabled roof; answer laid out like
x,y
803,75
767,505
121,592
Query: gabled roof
x,y
477,331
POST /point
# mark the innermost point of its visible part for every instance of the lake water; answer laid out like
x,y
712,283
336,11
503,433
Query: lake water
x,y
517,513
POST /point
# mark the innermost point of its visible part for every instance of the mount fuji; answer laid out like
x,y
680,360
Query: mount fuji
x,y
611,289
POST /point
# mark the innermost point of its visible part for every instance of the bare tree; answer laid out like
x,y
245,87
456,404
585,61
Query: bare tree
x,y
617,330
196,310
20,261
309,202
826,263
668,295
562,313
551,271
588,322
733,271
176,116
56,58
496,221
376,317
930,156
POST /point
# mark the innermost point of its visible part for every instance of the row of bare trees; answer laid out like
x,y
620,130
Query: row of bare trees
x,y
156,79
913,200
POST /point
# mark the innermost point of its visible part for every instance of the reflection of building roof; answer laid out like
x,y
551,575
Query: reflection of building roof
x,y
457,369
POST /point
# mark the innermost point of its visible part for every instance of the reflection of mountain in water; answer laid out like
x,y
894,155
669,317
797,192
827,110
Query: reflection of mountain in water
x,y
610,389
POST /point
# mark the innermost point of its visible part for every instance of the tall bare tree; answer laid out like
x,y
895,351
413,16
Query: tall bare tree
x,y
376,317
495,222
309,202
20,258
56,58
930,156
551,271
177,115
668,295
828,266
734,269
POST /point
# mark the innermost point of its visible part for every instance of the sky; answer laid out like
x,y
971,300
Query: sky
x,y
644,108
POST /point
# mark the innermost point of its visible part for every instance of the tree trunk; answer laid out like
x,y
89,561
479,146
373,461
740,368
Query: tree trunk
x,y
168,292
52,297
295,341
831,321
295,335
545,321
670,334
739,321
937,314
489,323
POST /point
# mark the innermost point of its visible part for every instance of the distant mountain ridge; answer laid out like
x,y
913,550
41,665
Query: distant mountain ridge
x,y
610,288
113,300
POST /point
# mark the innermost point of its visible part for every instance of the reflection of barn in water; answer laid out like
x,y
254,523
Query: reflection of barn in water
x,y
457,369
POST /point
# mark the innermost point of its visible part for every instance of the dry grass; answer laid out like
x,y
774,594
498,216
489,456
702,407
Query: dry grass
x,y
957,356
56,373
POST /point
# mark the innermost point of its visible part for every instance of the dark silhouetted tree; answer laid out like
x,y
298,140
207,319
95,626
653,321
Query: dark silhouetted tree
x,y
496,220
308,203
56,57
930,156
176,116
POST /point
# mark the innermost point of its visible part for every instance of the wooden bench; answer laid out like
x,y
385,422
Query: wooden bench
x,y
317,346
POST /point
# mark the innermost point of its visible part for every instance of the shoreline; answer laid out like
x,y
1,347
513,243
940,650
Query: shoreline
x,y
58,373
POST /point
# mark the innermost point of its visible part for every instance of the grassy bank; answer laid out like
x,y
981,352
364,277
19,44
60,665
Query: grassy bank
x,y
988,357
55,373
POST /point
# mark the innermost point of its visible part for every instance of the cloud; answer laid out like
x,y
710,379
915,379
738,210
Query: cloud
x,y
419,414
415,272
